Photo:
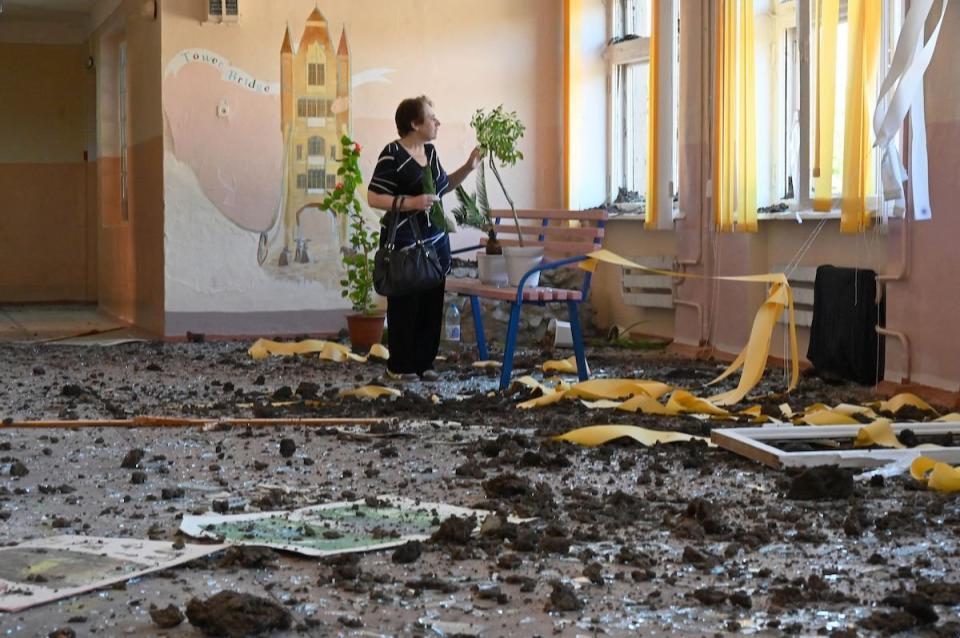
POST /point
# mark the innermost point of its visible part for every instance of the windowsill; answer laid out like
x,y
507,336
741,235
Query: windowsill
x,y
811,215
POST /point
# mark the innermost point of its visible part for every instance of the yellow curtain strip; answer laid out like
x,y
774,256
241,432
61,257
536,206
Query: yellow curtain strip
x,y
880,432
567,366
723,116
863,20
370,392
327,350
599,434
753,358
938,476
653,119
829,17
734,119
746,211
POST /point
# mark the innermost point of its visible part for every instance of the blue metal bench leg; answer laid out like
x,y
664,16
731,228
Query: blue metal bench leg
x,y
577,340
510,345
478,327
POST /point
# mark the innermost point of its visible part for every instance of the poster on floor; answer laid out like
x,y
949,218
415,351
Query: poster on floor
x,y
43,570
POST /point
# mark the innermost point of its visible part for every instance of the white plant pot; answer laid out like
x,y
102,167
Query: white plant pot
x,y
520,260
561,333
491,269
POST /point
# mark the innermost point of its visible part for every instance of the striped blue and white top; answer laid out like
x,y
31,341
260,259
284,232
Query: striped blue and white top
x,y
397,173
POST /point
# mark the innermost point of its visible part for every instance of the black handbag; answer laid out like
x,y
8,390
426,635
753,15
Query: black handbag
x,y
399,271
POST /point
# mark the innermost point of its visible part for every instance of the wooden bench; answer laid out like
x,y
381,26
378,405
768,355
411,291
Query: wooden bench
x,y
566,237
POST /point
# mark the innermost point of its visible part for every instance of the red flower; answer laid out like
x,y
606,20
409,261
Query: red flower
x,y
339,186
356,146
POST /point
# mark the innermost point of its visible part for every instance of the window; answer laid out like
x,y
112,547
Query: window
x,y
786,34
316,74
312,107
315,146
629,25
331,182
299,151
315,178
223,10
302,180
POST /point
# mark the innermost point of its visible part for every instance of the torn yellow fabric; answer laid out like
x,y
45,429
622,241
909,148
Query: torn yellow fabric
x,y
682,402
880,432
828,416
379,351
645,404
370,392
327,350
953,417
617,388
850,410
940,477
568,365
895,403
753,358
487,364
599,434
539,402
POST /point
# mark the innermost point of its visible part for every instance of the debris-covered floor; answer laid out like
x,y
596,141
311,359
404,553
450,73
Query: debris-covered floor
x,y
676,539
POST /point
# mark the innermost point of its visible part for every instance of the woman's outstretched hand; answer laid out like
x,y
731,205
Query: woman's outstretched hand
x,y
474,160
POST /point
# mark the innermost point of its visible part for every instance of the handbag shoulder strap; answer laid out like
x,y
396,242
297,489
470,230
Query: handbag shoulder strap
x,y
395,213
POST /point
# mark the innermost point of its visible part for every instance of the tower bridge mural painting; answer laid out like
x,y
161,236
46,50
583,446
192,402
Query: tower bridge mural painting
x,y
259,155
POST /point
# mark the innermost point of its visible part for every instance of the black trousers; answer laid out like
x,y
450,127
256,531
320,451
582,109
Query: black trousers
x,y
414,323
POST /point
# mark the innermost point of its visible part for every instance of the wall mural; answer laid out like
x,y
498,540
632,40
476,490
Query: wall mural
x,y
223,124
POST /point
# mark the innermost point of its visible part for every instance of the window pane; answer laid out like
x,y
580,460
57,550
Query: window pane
x,y
631,130
631,17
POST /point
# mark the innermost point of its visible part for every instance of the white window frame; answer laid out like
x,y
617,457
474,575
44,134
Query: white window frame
x,y
795,15
617,56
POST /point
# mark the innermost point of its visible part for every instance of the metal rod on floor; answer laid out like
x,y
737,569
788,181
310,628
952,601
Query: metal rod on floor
x,y
163,421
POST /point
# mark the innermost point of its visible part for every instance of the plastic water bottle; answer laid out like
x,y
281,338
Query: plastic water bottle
x,y
451,323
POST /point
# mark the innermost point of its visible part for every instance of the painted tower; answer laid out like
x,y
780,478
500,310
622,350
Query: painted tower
x,y
315,113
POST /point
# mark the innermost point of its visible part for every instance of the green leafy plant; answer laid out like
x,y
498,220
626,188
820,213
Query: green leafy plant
x,y
498,133
358,260
474,210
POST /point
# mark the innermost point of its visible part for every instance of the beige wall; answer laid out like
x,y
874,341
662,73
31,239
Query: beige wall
x,y
43,174
924,303
464,58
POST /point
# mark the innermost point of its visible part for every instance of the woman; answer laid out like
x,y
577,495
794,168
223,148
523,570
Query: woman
x,y
407,171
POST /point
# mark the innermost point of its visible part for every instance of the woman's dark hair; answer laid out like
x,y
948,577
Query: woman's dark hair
x,y
411,110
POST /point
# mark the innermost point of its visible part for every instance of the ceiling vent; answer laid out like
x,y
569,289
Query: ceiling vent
x,y
223,10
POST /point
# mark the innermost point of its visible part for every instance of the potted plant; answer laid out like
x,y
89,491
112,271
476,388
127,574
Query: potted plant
x,y
474,210
498,133
366,325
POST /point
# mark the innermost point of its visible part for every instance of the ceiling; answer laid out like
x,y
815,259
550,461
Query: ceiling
x,y
47,10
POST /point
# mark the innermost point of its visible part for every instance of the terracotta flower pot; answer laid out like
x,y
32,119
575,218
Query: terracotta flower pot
x,y
365,331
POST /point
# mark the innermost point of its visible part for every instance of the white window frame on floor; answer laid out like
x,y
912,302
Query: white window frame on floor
x,y
793,16
619,55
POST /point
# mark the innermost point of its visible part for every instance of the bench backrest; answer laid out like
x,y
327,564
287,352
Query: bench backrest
x,y
562,233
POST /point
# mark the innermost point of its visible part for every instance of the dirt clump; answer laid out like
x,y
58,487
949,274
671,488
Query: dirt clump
x,y
825,482
166,618
563,598
232,614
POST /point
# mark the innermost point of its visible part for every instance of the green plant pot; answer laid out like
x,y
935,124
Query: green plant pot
x,y
365,331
